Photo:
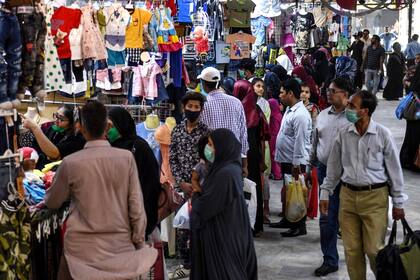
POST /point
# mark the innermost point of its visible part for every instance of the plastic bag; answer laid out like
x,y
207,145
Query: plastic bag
x,y
182,217
250,194
296,198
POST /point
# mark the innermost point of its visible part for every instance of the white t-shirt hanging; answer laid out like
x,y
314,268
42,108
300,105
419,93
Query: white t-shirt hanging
x,y
117,19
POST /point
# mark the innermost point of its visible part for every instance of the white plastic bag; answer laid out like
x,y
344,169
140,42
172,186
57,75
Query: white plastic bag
x,y
250,194
182,217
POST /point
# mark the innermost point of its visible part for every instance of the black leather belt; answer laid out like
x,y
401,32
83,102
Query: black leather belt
x,y
365,188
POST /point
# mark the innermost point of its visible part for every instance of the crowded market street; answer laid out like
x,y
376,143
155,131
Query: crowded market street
x,y
295,258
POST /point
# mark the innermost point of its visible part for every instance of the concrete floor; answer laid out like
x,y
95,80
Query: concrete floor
x,y
296,258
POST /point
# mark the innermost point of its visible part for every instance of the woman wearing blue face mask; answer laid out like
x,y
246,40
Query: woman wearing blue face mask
x,y
222,246
59,140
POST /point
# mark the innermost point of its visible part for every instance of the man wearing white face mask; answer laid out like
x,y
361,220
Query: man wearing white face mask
x,y
364,158
223,111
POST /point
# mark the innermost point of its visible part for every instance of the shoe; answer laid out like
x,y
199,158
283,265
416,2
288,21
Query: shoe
x,y
282,224
179,273
294,232
267,221
324,270
257,234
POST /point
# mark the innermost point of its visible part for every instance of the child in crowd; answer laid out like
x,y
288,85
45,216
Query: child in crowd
x,y
312,108
200,171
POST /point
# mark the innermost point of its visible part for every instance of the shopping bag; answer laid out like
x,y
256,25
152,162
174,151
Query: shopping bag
x,y
412,112
402,106
296,198
250,194
410,252
388,262
182,217
169,201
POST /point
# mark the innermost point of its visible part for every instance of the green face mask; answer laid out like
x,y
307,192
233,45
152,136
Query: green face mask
x,y
352,116
58,129
241,73
209,153
113,134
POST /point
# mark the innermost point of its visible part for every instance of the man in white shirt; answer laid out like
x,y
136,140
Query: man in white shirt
x,y
329,123
293,145
365,159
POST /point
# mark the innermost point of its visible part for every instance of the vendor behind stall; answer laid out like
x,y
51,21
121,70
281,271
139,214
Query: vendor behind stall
x,y
59,140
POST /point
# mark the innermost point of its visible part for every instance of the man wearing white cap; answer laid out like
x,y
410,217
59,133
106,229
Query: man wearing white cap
x,y
223,111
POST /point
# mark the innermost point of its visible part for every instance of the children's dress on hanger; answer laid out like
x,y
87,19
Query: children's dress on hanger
x,y
53,74
168,40
93,45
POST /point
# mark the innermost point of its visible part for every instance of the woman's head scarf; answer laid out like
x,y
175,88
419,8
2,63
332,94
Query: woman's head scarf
x,y
123,122
280,72
244,91
272,85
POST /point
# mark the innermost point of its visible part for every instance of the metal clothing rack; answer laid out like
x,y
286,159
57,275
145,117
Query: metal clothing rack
x,y
138,112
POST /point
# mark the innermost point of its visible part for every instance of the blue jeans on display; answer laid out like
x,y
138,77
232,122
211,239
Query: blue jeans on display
x,y
10,56
328,225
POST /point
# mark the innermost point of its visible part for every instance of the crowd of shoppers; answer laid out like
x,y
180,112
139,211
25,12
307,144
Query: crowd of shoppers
x,y
258,128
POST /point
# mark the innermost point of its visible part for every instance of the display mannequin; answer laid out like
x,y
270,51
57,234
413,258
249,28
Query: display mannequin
x,y
152,121
163,136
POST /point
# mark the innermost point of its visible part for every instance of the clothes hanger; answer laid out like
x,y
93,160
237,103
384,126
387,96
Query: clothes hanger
x,y
129,6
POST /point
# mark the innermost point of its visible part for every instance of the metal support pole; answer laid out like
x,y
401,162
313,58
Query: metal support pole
x,y
410,18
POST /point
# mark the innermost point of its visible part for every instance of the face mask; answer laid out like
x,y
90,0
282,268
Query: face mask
x,y
58,129
192,116
351,116
113,134
209,153
202,91
241,73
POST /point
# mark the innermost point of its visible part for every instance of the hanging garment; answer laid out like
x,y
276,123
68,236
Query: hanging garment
x,y
10,56
53,75
93,45
62,22
302,25
75,40
144,81
108,79
167,39
33,32
239,45
117,19
333,31
153,31
15,247
343,44
134,32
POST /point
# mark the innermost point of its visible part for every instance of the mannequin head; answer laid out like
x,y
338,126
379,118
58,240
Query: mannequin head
x,y
152,121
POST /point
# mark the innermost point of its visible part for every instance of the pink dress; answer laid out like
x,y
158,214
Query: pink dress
x,y
144,80
93,46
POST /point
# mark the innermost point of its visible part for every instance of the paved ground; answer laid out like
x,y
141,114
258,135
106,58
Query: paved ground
x,y
296,258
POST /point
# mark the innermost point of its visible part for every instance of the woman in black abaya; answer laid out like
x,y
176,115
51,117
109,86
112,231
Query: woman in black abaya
x,y
222,246
395,71
123,135
411,142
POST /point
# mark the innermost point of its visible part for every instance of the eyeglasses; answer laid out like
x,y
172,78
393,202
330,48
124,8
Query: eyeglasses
x,y
334,91
60,118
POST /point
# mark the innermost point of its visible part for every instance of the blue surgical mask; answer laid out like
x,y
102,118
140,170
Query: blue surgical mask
x,y
241,73
352,116
202,91
209,153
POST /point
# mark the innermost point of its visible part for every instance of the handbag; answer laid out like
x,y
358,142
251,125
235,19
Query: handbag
x,y
388,261
410,252
169,200
402,106
412,111
400,262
